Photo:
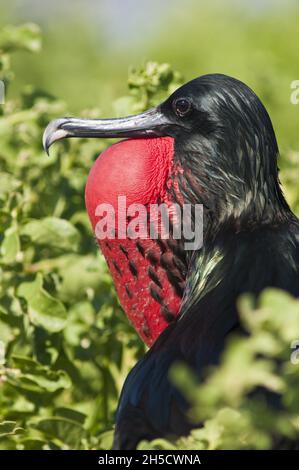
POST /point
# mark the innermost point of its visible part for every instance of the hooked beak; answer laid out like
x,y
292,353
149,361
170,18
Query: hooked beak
x,y
151,123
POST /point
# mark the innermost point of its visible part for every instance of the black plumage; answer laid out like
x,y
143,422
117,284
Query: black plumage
x,y
227,147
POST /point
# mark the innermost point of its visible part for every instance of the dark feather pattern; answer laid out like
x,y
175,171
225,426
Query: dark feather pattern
x,y
228,151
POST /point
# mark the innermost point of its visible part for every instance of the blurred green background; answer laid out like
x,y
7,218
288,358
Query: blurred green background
x,y
67,344
89,45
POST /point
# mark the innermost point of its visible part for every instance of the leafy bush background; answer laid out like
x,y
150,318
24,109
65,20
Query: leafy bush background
x,y
68,346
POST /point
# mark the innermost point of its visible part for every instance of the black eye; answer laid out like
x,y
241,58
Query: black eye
x,y
182,106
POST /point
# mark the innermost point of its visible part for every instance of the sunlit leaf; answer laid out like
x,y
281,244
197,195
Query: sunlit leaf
x,y
10,246
43,309
54,233
31,376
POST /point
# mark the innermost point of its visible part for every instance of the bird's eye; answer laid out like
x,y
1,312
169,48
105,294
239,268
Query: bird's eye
x,y
182,107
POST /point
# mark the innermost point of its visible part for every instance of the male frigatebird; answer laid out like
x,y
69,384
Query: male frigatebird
x,y
211,143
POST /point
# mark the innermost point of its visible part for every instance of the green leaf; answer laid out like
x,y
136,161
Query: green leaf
x,y
31,376
64,430
10,246
25,37
105,440
54,233
6,332
43,309
80,275
8,183
9,428
70,414
33,444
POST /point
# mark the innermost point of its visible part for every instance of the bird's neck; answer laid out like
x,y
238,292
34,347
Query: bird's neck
x,y
239,188
231,265
249,261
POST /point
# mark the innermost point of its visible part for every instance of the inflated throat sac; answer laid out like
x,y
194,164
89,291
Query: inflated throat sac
x,y
145,272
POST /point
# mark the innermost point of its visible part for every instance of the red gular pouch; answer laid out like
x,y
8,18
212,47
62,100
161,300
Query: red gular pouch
x,y
146,272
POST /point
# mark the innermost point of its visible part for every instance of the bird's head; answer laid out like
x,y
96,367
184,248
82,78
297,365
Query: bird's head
x,y
211,143
223,141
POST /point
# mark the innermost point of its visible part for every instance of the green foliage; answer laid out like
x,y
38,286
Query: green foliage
x,y
148,86
67,344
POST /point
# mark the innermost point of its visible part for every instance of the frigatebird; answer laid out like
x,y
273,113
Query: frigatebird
x,y
211,143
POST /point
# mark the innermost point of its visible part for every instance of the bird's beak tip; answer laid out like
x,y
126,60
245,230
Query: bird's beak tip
x,y
52,133
45,142
46,146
